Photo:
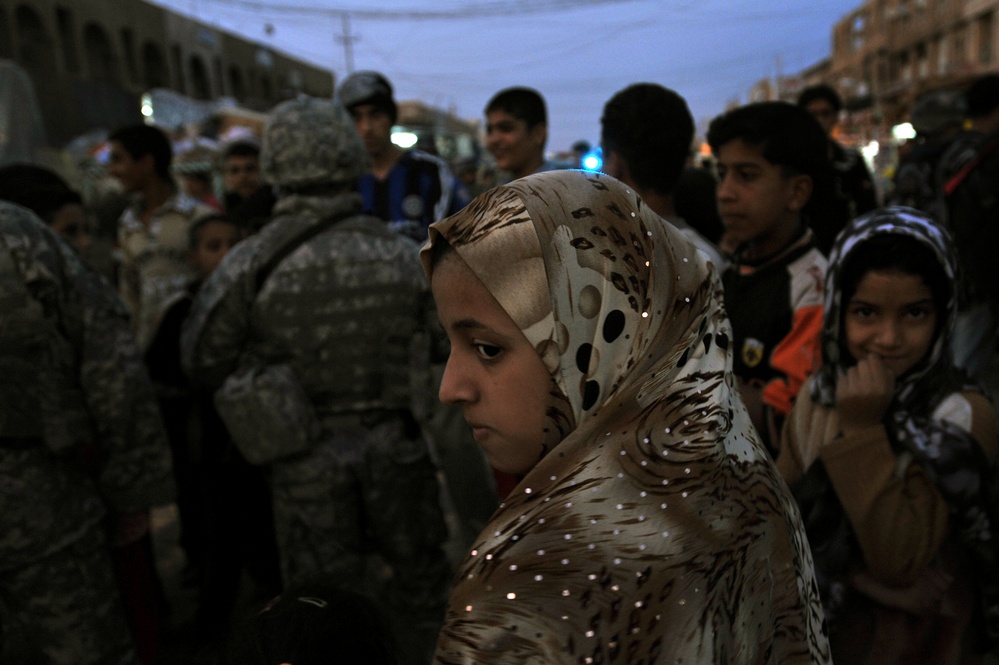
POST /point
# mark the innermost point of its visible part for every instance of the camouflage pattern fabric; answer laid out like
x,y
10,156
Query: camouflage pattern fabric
x,y
69,609
80,433
154,266
343,311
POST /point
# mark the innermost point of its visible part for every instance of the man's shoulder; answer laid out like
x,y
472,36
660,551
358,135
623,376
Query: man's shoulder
x,y
418,159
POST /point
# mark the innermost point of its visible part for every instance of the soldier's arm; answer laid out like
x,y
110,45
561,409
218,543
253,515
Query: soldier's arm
x,y
135,469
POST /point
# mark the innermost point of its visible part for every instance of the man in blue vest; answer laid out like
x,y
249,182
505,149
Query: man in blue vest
x,y
409,189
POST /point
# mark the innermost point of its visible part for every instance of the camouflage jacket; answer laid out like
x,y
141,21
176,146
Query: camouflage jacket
x,y
79,427
348,310
154,265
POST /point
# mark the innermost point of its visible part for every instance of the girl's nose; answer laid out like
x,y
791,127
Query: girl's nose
x,y
455,386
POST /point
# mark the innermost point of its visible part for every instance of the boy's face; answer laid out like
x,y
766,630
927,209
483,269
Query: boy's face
x,y
215,239
241,174
758,204
70,223
374,124
823,112
493,372
133,174
515,148
892,315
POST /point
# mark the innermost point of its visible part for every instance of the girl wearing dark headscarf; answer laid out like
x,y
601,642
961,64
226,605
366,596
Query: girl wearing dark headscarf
x,y
590,354
889,450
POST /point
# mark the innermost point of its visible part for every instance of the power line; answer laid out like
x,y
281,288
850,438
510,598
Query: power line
x,y
473,10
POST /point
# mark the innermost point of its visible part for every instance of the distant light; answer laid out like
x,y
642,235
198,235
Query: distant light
x,y
903,132
146,107
870,151
593,160
404,140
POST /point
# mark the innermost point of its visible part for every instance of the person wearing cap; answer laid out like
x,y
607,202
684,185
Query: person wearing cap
x,y
409,189
313,336
852,192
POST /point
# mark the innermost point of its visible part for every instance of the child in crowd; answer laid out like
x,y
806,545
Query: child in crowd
x,y
889,451
770,158
590,354
224,502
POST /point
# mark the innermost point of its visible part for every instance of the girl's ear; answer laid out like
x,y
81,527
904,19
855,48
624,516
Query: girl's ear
x,y
801,190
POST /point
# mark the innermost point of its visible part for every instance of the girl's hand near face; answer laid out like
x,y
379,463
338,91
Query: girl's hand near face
x,y
863,393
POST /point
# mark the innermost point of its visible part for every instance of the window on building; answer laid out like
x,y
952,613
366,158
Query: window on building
x,y
986,39
201,87
6,50
922,62
128,52
178,69
236,86
217,75
102,65
154,68
37,52
943,61
67,39
959,53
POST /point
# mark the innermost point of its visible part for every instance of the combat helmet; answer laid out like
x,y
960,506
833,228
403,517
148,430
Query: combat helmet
x,y
310,142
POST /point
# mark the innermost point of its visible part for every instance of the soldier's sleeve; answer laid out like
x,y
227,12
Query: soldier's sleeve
x,y
216,330
135,470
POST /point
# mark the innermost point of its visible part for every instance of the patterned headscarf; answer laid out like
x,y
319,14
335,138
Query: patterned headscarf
x,y
655,529
951,458
936,370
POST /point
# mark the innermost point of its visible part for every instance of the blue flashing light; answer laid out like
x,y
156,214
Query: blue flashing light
x,y
593,160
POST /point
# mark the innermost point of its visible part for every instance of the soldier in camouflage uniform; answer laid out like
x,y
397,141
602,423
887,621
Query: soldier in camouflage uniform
x,y
316,331
80,437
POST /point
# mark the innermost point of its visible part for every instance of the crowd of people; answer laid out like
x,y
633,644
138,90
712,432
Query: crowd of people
x,y
669,414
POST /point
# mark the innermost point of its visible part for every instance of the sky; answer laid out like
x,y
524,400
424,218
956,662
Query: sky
x,y
455,54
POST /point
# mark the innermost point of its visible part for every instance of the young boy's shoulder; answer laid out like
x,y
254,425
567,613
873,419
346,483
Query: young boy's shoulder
x,y
808,276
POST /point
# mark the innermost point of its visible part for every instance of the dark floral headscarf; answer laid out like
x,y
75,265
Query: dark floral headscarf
x,y
952,459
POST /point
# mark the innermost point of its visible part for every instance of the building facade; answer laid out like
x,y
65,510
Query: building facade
x,y
91,60
887,53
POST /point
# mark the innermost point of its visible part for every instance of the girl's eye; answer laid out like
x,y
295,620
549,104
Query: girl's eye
x,y
861,312
487,351
919,312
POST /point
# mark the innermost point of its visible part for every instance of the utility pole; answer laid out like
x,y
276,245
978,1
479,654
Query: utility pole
x,y
347,39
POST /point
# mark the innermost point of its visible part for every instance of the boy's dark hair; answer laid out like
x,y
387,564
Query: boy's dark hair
x,y
982,96
651,128
241,149
820,91
199,223
788,136
525,104
40,190
313,625
141,140
895,252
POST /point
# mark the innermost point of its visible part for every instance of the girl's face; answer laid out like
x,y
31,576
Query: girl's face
x,y
493,372
892,315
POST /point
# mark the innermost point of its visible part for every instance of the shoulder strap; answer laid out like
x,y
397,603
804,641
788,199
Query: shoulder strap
x,y
293,242
959,177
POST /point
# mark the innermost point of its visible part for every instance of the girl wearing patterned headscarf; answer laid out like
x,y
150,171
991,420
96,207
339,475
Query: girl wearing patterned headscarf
x,y
888,451
590,355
